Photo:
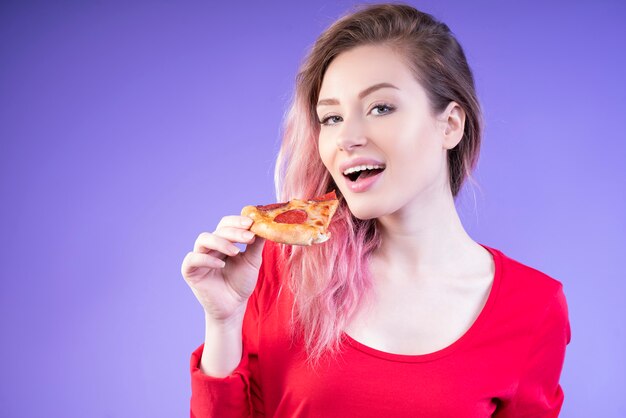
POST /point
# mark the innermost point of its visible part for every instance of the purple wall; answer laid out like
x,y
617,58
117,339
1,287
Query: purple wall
x,y
127,128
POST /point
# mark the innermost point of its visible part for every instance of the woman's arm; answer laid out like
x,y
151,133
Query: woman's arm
x,y
224,370
227,394
222,346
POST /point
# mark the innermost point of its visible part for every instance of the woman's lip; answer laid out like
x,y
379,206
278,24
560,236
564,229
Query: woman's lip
x,y
362,184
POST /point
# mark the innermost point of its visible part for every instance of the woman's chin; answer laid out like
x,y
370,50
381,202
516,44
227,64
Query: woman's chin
x,y
363,213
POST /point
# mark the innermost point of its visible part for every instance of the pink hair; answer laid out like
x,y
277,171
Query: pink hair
x,y
328,281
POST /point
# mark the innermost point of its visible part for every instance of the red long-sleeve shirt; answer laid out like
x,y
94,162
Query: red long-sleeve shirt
x,y
507,364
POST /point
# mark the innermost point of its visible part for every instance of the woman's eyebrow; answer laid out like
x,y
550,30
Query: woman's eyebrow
x,y
369,90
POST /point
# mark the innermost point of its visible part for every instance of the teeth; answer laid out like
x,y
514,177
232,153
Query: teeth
x,y
361,168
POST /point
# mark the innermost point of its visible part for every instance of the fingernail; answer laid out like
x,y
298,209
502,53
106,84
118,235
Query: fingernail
x,y
248,235
234,250
246,222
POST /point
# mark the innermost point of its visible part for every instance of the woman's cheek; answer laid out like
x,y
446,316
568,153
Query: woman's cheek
x,y
325,149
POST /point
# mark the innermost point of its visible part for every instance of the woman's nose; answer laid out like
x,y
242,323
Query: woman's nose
x,y
350,136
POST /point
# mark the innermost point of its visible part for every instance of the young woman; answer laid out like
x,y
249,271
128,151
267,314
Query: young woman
x,y
400,313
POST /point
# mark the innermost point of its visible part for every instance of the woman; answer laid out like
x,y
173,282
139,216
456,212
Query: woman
x,y
401,313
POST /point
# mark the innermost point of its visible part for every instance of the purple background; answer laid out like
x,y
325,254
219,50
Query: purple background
x,y
127,128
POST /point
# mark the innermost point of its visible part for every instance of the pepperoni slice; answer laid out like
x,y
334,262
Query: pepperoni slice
x,y
327,196
294,216
271,206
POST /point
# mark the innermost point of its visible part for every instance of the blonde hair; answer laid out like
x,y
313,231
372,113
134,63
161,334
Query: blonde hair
x,y
330,281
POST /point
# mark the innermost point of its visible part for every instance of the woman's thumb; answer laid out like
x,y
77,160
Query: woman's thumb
x,y
254,250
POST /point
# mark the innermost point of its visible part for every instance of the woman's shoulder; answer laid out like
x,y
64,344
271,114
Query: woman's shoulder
x,y
529,296
529,287
527,277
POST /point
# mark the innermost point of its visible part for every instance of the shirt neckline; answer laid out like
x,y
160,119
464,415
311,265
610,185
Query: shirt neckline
x,y
468,335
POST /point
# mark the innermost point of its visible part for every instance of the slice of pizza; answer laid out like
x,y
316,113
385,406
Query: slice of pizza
x,y
297,222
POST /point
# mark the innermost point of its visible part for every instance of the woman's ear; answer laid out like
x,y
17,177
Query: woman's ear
x,y
452,125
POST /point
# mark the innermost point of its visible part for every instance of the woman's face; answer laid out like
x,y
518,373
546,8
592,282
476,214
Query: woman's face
x,y
388,126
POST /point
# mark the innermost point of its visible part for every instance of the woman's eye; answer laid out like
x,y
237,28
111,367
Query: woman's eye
x,y
330,118
383,109
379,110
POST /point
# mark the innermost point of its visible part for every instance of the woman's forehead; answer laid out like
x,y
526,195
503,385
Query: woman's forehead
x,y
357,69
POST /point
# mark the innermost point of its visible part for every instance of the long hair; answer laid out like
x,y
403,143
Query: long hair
x,y
330,281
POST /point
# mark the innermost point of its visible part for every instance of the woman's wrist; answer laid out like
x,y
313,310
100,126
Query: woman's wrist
x,y
225,325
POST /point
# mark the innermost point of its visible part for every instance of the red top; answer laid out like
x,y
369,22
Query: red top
x,y
507,364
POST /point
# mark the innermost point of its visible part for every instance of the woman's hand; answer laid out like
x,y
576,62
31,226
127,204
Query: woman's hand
x,y
221,277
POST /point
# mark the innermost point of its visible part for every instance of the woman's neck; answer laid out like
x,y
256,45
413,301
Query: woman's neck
x,y
426,240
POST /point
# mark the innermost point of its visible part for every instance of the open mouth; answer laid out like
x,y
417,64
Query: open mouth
x,y
364,173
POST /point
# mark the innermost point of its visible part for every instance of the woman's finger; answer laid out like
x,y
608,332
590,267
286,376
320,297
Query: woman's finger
x,y
193,261
237,234
234,221
213,244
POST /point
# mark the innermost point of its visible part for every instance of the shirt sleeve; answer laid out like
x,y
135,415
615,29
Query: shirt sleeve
x,y
539,394
237,395
220,397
